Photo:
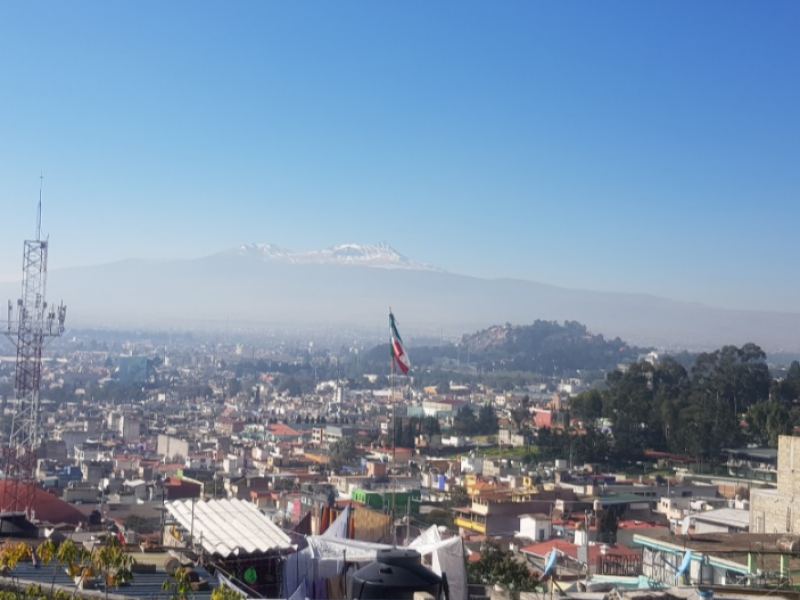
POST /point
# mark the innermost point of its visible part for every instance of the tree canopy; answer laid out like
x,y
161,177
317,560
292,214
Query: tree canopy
x,y
498,566
726,400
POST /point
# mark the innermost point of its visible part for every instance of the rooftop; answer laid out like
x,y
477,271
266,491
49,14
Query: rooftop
x,y
228,527
725,516
145,585
567,548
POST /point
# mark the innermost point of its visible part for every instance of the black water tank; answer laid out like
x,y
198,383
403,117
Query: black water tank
x,y
395,575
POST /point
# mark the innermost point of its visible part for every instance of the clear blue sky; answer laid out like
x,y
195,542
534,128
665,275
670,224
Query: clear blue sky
x,y
631,146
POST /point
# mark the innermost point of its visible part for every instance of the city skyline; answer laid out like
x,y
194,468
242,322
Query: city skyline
x,y
616,148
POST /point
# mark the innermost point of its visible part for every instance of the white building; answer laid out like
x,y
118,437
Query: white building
x,y
536,527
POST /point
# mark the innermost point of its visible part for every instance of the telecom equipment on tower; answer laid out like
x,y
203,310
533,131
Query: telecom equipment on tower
x,y
31,323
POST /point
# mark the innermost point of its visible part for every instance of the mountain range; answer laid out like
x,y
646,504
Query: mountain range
x,y
351,285
381,256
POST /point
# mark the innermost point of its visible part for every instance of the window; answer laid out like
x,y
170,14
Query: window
x,y
788,519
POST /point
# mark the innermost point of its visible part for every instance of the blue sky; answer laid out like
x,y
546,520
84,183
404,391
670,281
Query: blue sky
x,y
634,146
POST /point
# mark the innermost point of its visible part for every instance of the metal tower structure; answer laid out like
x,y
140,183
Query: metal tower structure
x,y
30,324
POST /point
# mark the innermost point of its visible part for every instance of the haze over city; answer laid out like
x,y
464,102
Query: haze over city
x,y
581,216
648,148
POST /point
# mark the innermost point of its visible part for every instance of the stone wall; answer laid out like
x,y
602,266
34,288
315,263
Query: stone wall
x,y
773,511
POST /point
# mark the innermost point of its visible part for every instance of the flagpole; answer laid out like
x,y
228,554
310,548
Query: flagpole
x,y
394,425
391,388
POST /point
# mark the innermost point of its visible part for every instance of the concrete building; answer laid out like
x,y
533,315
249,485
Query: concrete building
x,y
472,464
499,513
722,520
508,438
334,433
774,510
134,370
537,527
443,408
752,463
170,447
130,428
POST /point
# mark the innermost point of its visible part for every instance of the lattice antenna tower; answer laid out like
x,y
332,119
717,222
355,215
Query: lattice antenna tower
x,y
31,323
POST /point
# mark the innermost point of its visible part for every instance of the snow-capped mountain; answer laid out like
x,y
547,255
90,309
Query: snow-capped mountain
x,y
381,256
351,286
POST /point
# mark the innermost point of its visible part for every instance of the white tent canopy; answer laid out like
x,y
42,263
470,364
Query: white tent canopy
x,y
325,558
228,527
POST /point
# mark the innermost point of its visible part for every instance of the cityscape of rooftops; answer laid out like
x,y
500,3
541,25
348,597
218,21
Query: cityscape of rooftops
x,y
394,301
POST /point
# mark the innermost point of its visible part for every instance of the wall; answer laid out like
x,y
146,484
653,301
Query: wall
x,y
170,446
773,511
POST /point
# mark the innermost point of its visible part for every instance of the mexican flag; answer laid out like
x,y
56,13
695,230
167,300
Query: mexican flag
x,y
399,353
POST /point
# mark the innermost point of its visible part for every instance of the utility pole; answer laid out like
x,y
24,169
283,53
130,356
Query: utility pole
x,y
408,520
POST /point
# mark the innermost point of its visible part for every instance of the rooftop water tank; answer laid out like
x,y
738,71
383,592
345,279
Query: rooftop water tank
x,y
395,575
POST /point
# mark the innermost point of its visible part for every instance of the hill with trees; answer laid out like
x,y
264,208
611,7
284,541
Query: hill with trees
x,y
728,399
544,347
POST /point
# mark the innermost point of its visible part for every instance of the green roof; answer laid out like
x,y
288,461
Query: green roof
x,y
614,499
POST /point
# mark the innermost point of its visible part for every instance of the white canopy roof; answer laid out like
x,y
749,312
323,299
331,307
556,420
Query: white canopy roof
x,y
229,527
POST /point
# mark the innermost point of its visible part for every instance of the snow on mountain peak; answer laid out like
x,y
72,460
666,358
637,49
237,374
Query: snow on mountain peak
x,y
262,249
380,256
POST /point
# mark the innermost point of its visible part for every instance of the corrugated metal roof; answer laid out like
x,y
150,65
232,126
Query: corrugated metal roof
x,y
725,516
144,585
229,527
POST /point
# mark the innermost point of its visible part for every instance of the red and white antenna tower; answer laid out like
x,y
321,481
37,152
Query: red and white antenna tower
x,y
30,324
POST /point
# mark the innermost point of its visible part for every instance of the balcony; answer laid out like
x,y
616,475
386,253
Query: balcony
x,y
470,525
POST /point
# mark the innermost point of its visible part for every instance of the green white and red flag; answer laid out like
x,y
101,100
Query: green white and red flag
x,y
399,354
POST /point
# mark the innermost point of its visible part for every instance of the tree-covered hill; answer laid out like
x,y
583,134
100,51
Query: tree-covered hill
x,y
545,347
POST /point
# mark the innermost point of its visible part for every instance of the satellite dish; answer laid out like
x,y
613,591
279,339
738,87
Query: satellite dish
x,y
685,524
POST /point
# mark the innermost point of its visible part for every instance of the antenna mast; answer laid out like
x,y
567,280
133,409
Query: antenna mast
x,y
29,327
39,209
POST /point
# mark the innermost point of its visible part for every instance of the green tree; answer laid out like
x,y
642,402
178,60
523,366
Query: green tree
x,y
725,383
787,390
550,444
11,554
521,413
178,585
410,432
767,421
114,563
498,566
487,420
587,406
342,452
628,402
223,592
671,390
430,426
592,446
465,422
608,523
289,386
234,387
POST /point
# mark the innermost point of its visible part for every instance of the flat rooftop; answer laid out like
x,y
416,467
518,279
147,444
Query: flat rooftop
x,y
732,547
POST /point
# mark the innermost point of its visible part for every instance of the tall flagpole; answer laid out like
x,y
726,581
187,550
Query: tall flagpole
x,y
391,388
394,425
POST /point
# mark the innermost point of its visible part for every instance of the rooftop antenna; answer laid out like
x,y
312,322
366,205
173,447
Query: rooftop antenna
x,y
39,210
